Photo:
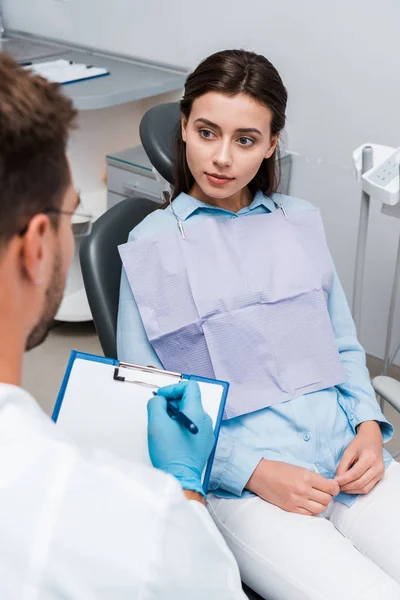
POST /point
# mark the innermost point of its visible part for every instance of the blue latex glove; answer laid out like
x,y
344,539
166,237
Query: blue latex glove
x,y
173,448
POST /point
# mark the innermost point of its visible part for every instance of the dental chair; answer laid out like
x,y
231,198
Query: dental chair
x,y
157,132
101,265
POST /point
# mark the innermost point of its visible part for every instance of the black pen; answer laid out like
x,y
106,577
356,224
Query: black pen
x,y
179,416
182,419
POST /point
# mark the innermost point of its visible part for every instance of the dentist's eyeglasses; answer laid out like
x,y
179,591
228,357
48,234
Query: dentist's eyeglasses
x,y
82,222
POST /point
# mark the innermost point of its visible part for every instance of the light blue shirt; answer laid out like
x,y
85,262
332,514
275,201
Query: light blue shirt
x,y
311,431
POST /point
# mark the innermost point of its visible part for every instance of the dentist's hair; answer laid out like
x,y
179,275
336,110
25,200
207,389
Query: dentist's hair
x,y
35,121
234,72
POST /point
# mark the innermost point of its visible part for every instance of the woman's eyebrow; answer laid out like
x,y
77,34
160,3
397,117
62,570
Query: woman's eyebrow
x,y
207,122
248,130
218,128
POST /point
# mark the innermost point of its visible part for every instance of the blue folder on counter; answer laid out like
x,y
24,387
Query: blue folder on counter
x,y
102,404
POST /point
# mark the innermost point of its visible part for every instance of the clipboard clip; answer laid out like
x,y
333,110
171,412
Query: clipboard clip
x,y
153,370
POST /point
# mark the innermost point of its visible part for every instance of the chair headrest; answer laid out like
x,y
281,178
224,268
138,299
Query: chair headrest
x,y
157,133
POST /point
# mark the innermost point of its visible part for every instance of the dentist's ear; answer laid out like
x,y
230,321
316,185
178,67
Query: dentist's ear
x,y
38,245
40,274
272,148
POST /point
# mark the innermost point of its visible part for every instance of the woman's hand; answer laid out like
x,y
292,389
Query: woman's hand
x,y
362,466
292,488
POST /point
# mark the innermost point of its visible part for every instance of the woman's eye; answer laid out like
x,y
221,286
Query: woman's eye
x,y
245,141
206,134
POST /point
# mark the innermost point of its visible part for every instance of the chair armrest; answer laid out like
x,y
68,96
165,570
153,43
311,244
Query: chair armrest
x,y
389,389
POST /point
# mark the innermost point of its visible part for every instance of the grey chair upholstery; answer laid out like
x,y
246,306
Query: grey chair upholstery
x,y
157,133
101,265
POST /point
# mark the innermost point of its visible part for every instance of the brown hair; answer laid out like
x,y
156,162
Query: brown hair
x,y
234,72
35,119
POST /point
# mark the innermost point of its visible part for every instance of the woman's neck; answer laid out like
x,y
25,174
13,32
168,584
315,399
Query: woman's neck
x,y
232,203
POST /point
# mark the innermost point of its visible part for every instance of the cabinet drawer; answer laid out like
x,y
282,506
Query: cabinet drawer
x,y
126,183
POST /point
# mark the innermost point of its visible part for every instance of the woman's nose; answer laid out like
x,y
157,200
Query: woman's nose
x,y
223,156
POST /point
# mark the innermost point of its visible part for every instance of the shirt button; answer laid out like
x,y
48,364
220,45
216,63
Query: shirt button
x,y
306,437
351,416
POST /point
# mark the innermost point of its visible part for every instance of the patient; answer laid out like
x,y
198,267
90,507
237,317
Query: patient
x,y
235,281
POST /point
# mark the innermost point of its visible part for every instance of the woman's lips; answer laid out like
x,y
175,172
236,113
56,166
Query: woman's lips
x,y
217,179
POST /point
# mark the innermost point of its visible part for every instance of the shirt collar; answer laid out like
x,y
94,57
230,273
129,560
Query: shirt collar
x,y
185,205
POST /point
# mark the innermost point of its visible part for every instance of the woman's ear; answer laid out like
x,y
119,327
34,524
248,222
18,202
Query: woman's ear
x,y
272,148
183,127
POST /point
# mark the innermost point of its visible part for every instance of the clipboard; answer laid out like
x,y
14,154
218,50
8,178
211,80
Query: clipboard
x,y
66,72
102,404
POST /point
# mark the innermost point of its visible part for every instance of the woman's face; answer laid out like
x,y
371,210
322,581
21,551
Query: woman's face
x,y
227,138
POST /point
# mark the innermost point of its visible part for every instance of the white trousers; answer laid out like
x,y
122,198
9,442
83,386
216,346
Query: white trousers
x,y
350,553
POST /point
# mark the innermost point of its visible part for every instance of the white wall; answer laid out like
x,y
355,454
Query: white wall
x,y
339,61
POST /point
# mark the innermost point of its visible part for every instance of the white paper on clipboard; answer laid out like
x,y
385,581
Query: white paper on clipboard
x,y
99,412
